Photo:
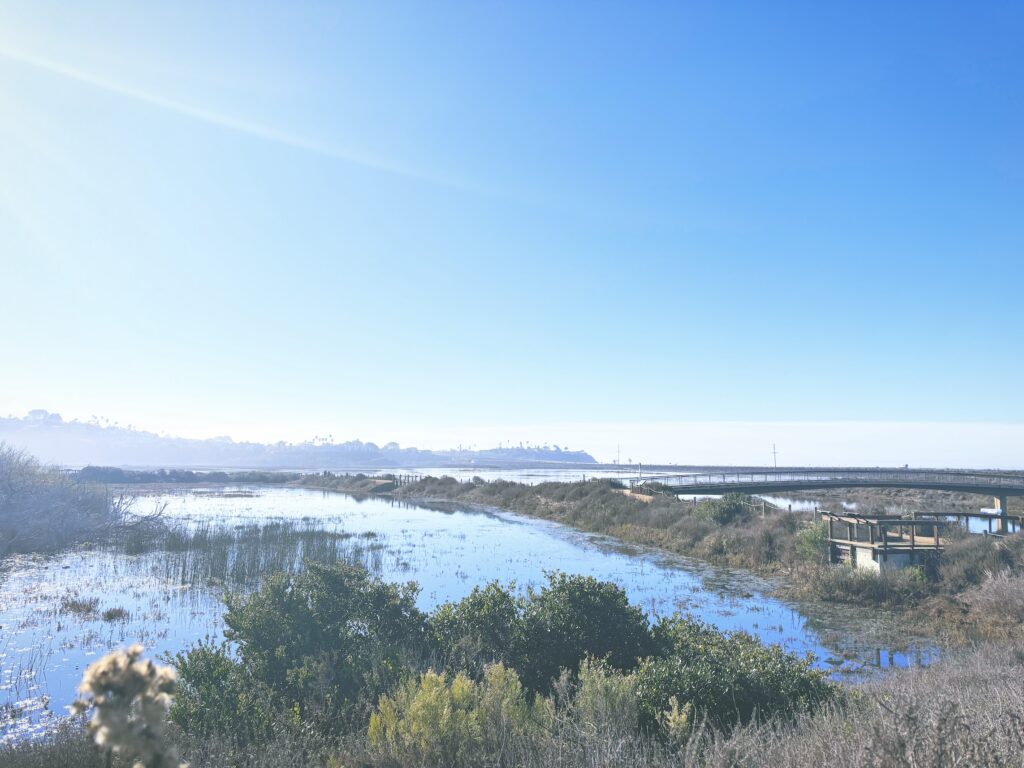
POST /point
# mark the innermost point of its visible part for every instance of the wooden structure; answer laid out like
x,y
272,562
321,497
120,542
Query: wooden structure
x,y
882,543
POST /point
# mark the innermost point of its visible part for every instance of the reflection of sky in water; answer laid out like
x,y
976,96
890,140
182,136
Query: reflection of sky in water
x,y
445,549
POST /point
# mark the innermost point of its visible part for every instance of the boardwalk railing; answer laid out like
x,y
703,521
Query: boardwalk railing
x,y
976,482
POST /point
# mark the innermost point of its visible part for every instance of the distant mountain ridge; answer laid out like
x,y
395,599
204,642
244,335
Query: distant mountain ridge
x,y
76,443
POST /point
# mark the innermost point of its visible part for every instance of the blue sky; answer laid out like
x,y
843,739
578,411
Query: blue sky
x,y
417,221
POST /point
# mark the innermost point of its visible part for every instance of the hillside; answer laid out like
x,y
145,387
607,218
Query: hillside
x,y
75,443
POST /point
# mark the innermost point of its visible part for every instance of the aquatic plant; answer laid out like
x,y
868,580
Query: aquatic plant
x,y
115,614
79,605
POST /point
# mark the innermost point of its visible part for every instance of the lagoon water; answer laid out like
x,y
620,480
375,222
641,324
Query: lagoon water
x,y
45,641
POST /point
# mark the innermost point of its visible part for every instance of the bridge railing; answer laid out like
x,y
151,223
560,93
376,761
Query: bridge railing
x,y
979,479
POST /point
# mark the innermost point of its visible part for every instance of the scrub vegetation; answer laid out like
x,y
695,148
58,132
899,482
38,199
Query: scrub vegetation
x,y
45,510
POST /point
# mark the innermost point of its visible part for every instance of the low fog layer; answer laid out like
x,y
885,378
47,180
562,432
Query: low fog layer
x,y
74,443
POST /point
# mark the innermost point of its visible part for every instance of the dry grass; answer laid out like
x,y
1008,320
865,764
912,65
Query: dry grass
x,y
967,710
44,510
998,603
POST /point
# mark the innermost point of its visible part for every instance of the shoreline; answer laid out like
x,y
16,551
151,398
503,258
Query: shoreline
x,y
944,618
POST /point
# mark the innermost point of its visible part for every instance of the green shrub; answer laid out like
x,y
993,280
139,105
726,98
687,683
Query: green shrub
x,y
728,678
574,617
549,630
483,627
217,696
437,720
429,720
327,639
728,509
812,543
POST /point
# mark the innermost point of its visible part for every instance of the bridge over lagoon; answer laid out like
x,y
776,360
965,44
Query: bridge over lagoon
x,y
874,541
996,485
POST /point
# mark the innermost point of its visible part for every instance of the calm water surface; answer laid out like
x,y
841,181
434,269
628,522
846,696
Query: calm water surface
x,y
44,645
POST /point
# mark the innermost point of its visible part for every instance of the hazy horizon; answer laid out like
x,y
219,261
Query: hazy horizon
x,y
863,443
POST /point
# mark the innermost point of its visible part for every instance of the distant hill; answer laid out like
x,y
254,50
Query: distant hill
x,y
75,443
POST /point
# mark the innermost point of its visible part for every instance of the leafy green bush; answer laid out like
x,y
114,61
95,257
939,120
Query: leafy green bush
x,y
216,696
327,639
812,543
322,651
727,509
728,678
483,627
574,617
549,630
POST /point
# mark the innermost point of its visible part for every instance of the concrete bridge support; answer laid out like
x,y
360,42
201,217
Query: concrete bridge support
x,y
1002,524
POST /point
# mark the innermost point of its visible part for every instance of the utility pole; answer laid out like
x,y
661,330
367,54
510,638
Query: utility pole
x,y
775,456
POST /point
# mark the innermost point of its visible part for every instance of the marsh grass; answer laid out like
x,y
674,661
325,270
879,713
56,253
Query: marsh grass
x,y
999,601
844,584
80,606
240,557
115,614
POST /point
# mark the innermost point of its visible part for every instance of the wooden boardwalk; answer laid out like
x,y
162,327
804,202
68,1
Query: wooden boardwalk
x,y
894,542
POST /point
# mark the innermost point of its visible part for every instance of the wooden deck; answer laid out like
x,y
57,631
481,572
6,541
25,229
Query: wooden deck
x,y
888,541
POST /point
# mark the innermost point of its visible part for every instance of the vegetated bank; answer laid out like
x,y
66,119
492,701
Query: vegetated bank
x,y
43,509
333,667
974,590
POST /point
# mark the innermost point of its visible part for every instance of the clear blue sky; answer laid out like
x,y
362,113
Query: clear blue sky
x,y
392,221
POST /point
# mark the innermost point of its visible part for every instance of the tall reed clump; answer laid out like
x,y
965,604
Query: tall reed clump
x,y
130,699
